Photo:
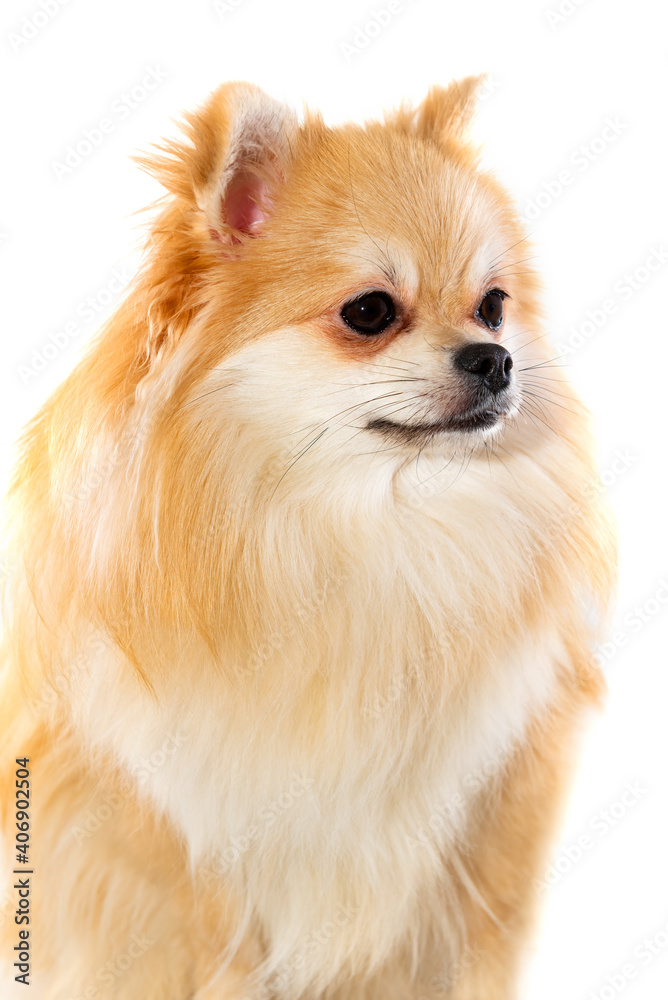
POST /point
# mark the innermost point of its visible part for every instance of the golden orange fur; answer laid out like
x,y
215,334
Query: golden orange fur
x,y
300,689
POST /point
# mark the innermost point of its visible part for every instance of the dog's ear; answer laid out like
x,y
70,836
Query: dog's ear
x,y
237,153
445,114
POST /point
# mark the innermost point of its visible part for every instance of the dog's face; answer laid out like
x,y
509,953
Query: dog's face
x,y
368,296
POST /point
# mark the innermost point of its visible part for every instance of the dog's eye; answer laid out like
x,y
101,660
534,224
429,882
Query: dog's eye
x,y
490,310
369,314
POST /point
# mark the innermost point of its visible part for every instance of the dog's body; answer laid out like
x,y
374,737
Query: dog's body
x,y
301,615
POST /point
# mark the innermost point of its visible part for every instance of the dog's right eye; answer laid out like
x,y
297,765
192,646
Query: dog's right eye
x,y
369,314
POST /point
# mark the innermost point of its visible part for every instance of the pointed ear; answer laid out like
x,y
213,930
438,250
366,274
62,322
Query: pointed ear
x,y
445,114
253,134
237,154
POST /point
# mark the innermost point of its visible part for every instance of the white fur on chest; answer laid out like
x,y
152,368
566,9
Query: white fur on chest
x,y
311,838
322,777
322,771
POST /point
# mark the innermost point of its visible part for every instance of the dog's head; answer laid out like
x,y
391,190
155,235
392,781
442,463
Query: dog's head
x,y
353,295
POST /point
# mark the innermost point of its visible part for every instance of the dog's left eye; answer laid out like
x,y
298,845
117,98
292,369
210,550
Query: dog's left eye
x,y
369,314
490,310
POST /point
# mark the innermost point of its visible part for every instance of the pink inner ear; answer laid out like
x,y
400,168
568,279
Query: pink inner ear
x,y
246,202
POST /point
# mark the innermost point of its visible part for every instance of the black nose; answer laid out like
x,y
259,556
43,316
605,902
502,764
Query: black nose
x,y
491,363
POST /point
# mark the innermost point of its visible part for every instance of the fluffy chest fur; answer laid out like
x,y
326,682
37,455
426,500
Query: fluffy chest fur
x,y
390,676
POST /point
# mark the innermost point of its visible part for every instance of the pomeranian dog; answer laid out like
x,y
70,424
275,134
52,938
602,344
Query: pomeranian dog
x,y
307,559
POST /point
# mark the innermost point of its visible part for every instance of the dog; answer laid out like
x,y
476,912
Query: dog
x,y
308,556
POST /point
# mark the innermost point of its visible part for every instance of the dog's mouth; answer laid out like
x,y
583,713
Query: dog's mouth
x,y
468,422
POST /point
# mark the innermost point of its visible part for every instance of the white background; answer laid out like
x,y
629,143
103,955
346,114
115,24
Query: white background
x,y
558,71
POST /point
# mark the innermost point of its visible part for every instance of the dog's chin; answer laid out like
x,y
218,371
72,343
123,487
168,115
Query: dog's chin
x,y
479,422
